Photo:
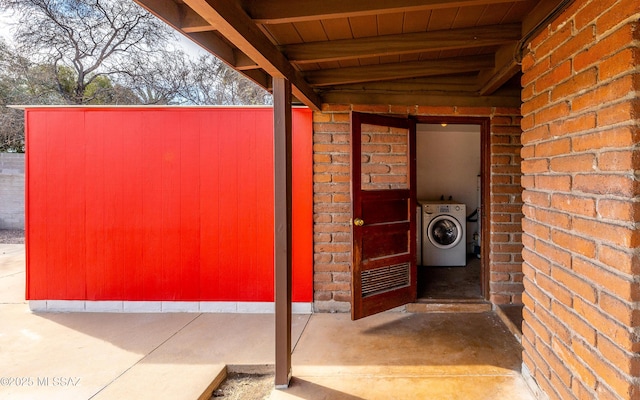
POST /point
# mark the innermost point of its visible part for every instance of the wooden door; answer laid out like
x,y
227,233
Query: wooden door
x,y
383,274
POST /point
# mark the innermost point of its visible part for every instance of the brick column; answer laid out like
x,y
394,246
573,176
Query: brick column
x,y
331,209
580,157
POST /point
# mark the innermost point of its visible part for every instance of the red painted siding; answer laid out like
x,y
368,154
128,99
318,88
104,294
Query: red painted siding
x,y
160,204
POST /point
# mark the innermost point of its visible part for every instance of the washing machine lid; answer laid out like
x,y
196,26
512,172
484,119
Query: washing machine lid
x,y
444,232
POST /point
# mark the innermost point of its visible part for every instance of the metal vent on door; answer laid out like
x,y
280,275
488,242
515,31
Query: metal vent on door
x,y
383,279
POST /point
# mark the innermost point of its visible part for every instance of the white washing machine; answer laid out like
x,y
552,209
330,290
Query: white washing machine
x,y
444,236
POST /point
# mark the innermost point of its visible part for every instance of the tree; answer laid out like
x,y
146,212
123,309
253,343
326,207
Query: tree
x,y
94,38
21,82
87,40
213,82
103,52
163,82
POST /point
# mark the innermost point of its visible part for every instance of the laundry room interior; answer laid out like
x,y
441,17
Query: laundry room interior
x,y
448,191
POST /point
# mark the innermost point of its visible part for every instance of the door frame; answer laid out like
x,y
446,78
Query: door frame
x,y
485,181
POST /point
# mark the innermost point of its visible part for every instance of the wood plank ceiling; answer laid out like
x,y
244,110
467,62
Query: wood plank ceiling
x,y
428,52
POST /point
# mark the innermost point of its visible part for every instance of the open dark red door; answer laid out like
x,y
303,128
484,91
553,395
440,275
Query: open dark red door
x,y
383,274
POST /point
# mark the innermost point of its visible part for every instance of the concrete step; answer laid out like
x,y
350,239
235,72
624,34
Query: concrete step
x,y
453,306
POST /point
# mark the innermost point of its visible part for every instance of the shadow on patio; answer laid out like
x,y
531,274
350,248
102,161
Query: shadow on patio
x,y
152,356
407,356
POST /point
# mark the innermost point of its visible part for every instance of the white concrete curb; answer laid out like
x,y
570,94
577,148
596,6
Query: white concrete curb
x,y
240,307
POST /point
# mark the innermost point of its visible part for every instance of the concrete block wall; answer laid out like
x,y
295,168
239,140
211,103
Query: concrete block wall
x,y
12,190
332,200
580,157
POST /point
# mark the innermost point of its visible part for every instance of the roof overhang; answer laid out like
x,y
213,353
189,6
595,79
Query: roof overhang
x,y
440,52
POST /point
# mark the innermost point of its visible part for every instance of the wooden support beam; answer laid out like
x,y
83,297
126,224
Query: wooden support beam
x,y
260,77
336,50
381,72
172,14
502,98
282,156
192,22
506,67
507,57
175,15
285,11
244,63
212,43
231,21
168,11
453,83
197,28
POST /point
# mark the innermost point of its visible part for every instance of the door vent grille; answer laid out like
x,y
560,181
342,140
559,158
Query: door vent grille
x,y
384,279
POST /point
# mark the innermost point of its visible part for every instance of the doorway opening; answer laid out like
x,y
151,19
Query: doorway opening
x,y
449,209
384,172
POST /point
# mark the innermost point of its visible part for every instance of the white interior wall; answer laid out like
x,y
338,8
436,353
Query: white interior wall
x,y
448,164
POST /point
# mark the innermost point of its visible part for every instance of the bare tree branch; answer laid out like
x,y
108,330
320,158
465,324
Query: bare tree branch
x,y
108,52
91,36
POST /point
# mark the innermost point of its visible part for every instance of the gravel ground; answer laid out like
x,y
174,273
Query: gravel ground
x,y
239,386
11,236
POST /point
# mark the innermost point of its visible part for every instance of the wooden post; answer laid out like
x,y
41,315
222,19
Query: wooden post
x,y
282,149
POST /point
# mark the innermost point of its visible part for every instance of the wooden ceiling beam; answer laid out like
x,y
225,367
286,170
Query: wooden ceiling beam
x,y
176,14
172,14
244,63
505,68
285,11
508,56
452,83
260,77
231,21
391,71
411,43
192,22
501,98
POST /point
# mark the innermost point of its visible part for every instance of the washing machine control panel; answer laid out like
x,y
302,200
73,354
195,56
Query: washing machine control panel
x,y
446,208
441,208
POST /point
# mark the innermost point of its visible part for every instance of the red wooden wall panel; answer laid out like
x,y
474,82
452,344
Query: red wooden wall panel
x,y
302,205
133,247
189,207
35,203
72,205
160,204
210,209
55,186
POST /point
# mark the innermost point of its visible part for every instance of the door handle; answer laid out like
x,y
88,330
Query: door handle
x,y
358,222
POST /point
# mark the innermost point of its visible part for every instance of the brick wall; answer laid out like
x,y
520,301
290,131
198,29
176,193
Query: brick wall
x,y
332,207
580,94
11,191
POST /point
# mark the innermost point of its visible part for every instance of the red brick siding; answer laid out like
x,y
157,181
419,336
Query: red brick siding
x,y
580,133
332,207
505,256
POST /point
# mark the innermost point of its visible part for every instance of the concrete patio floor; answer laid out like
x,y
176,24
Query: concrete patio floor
x,y
393,355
